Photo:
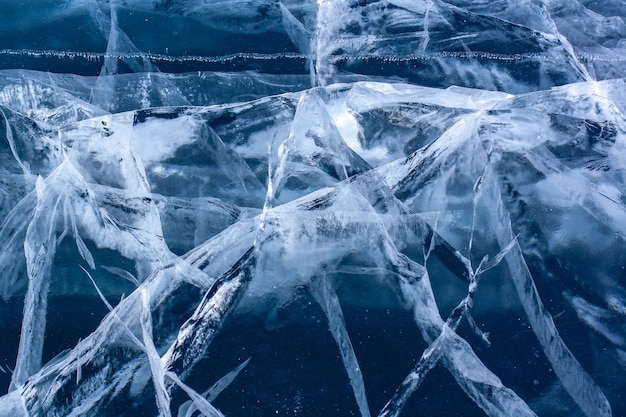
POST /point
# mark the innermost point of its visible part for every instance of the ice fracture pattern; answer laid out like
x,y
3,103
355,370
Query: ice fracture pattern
x,y
313,208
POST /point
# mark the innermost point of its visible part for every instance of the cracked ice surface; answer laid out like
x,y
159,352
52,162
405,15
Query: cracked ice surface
x,y
312,208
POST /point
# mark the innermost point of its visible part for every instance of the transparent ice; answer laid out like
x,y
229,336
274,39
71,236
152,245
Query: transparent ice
x,y
305,208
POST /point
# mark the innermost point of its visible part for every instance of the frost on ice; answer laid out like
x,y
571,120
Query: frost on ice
x,y
313,208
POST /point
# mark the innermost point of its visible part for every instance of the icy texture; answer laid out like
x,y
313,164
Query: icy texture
x,y
313,208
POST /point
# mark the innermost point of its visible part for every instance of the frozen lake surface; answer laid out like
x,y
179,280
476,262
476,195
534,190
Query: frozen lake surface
x,y
312,208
